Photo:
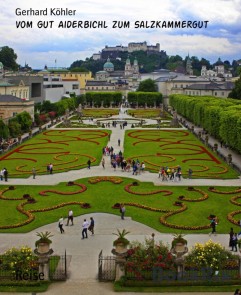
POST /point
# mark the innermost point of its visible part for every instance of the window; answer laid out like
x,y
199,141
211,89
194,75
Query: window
x,y
215,93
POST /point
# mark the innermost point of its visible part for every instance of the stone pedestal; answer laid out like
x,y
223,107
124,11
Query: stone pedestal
x,y
178,252
44,263
120,263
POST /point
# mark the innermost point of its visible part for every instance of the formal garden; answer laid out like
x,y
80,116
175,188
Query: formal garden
x,y
166,209
65,149
171,148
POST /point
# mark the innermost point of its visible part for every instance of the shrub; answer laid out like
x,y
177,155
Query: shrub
x,y
144,256
209,255
19,259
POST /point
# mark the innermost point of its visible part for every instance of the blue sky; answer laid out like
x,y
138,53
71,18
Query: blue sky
x,y
221,38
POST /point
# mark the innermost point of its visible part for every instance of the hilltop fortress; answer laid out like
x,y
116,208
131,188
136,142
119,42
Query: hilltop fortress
x,y
113,52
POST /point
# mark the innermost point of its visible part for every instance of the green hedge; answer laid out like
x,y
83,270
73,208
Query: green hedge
x,y
220,117
145,98
97,98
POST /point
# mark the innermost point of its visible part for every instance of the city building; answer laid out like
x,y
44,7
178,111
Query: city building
x,y
218,72
82,77
56,87
109,79
99,86
32,82
11,105
221,89
18,89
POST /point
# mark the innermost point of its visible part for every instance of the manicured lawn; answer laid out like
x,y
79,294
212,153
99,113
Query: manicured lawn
x,y
148,113
97,113
171,148
145,203
65,149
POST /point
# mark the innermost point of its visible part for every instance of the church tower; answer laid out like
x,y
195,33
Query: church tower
x,y
189,70
135,67
128,67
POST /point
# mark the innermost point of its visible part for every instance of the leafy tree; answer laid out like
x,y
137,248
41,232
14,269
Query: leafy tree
x,y
236,92
47,107
25,121
147,85
205,62
8,58
4,131
175,58
14,128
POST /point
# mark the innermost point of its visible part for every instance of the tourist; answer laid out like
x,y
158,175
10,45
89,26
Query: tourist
x,y
48,168
5,174
119,141
160,172
231,233
51,168
92,225
61,224
70,217
179,172
89,163
85,226
143,166
34,172
213,226
122,211
190,173
168,170
103,163
1,174
234,242
172,174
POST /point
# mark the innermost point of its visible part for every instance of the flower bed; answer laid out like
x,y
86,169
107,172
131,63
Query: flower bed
x,y
128,189
113,179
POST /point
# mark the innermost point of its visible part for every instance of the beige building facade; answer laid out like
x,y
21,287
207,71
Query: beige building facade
x,y
19,90
11,105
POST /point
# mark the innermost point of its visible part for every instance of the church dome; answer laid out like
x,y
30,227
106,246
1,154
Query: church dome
x,y
108,66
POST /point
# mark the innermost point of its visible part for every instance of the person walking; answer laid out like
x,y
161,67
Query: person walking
x,y
92,225
51,168
234,242
122,211
85,226
231,233
190,173
119,141
34,172
70,217
89,163
103,163
5,174
213,226
2,174
61,224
